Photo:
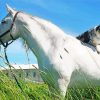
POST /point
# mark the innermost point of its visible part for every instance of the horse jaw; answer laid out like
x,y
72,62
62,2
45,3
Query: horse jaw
x,y
11,10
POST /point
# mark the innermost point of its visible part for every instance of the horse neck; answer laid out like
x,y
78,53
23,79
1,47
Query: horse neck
x,y
40,35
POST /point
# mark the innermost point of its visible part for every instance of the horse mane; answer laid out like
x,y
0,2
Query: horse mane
x,y
44,24
24,44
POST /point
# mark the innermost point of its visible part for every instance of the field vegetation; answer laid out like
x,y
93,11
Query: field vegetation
x,y
9,90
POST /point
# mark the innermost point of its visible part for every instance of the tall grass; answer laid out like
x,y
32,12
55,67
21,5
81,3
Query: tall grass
x,y
9,90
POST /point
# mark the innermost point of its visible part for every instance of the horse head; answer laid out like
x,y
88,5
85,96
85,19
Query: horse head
x,y
8,29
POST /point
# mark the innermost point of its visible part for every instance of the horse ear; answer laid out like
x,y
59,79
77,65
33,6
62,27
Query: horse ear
x,y
10,10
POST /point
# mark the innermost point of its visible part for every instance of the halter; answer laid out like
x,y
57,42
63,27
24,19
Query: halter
x,y
7,43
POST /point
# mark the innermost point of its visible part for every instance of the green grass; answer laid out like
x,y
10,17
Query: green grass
x,y
9,90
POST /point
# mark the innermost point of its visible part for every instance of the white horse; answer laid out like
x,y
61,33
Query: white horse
x,y
58,54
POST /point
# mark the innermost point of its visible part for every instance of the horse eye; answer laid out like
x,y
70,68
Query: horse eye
x,y
3,22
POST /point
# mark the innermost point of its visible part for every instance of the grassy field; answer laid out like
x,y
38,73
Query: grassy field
x,y
9,90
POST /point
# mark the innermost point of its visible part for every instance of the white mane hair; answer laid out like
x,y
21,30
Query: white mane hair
x,y
45,25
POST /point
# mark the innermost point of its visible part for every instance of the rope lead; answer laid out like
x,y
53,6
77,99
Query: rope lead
x,y
6,58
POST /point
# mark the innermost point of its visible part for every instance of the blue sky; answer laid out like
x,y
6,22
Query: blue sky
x,y
72,16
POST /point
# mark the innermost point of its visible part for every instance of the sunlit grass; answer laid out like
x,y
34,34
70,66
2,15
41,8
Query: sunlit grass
x,y
9,90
